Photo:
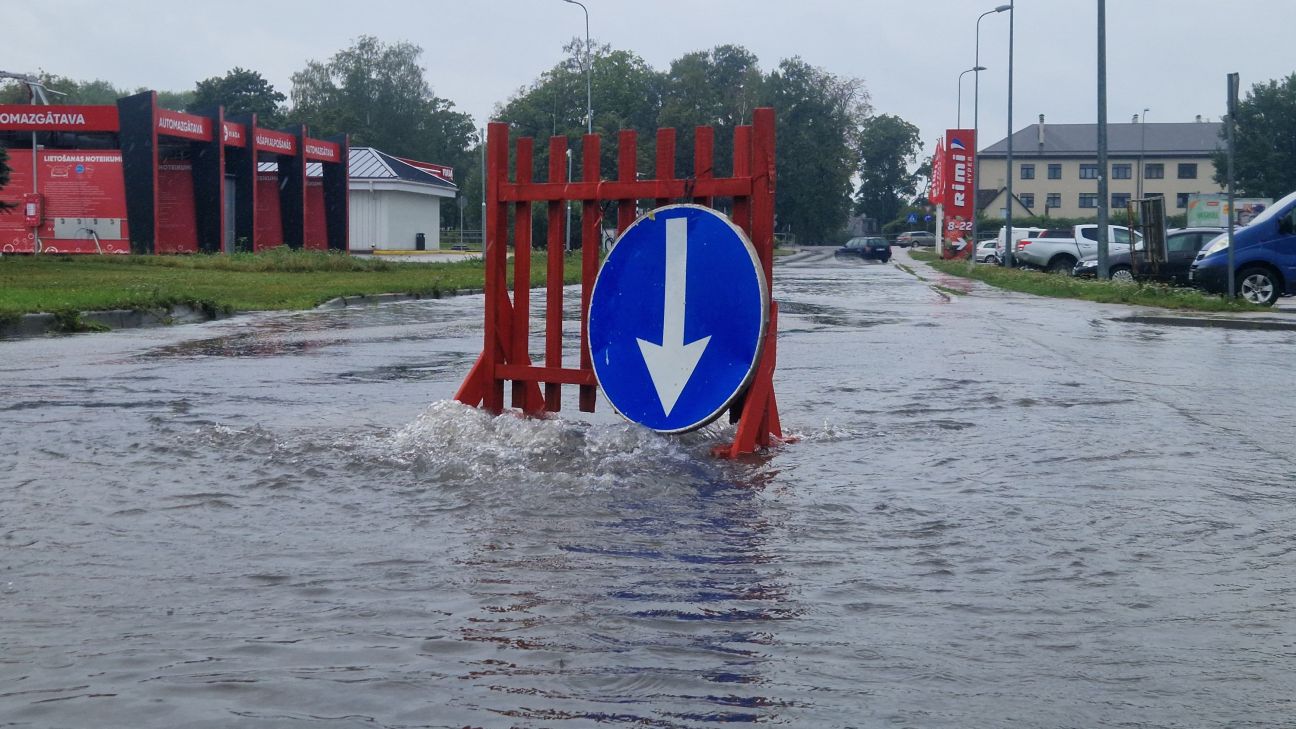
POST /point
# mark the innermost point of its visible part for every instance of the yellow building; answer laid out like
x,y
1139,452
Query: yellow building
x,y
1055,167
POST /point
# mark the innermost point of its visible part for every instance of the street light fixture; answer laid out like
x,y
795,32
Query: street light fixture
x,y
974,69
589,99
976,127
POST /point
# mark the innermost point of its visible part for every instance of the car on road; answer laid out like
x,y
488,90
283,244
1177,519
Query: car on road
x,y
1264,257
1181,248
985,251
871,247
916,238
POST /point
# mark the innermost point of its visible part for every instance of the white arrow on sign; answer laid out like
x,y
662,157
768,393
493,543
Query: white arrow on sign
x,y
671,363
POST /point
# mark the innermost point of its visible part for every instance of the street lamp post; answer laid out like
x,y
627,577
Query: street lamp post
x,y
1008,242
976,126
974,69
589,99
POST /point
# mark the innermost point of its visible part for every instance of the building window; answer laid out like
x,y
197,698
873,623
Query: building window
x,y
1088,199
1055,172
1028,199
1122,172
1187,170
1054,200
1120,200
1155,171
1181,199
1028,172
1088,172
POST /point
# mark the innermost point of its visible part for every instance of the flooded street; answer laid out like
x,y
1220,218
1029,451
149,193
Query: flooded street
x,y
1002,511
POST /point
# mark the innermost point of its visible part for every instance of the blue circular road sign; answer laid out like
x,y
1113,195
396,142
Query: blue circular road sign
x,y
677,318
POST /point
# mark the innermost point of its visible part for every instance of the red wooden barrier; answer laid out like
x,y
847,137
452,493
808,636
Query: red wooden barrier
x,y
505,353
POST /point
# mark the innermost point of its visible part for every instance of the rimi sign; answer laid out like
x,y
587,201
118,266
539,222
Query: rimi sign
x,y
953,180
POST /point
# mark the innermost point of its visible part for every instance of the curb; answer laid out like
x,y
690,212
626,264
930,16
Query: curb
x,y
44,323
28,326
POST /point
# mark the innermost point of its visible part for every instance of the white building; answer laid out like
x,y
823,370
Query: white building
x,y
394,200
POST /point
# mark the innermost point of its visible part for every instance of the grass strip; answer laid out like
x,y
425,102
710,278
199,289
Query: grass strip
x,y
273,280
1103,292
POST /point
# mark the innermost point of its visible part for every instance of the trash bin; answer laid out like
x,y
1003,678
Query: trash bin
x,y
420,242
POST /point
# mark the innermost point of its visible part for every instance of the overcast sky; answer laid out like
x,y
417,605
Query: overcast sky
x,y
1170,56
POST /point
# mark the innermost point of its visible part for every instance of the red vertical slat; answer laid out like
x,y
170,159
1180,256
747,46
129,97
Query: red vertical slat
x,y
495,262
665,169
627,151
704,159
742,167
521,268
590,224
554,280
763,189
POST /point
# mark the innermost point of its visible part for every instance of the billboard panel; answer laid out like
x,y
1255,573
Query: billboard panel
x,y
83,195
958,170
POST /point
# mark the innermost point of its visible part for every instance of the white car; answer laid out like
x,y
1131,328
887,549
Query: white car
x,y
985,251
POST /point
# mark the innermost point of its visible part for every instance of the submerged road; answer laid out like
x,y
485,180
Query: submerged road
x,y
1002,511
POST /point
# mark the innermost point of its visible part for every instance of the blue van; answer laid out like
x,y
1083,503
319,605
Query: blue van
x,y
1264,256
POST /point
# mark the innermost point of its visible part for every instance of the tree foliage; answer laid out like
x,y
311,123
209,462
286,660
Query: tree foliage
x,y
377,93
888,146
240,91
1265,139
819,119
717,88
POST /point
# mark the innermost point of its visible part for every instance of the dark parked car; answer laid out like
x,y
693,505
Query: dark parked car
x,y
916,238
867,247
1181,247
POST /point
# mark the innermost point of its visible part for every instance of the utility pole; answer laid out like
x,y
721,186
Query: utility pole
x,y
1103,199
1008,241
1232,115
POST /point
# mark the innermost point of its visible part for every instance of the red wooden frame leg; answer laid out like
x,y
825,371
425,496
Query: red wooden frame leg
x,y
759,420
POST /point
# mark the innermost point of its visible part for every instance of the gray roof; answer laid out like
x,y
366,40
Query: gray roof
x,y
367,163
1164,139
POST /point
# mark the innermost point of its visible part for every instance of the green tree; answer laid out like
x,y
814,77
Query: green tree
x,y
819,117
888,146
377,93
1265,139
240,91
718,88
626,94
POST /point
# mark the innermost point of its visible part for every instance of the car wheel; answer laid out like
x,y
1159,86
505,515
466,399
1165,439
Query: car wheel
x,y
1257,286
1122,274
1062,265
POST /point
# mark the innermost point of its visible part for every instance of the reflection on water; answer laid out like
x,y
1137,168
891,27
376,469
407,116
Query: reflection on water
x,y
989,520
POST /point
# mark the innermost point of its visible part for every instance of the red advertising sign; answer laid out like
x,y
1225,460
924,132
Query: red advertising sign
x,y
26,118
233,135
958,179
185,126
445,172
320,151
82,196
937,194
272,141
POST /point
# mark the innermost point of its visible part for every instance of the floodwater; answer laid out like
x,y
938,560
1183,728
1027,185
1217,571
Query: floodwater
x,y
1001,512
